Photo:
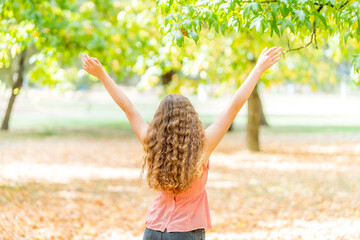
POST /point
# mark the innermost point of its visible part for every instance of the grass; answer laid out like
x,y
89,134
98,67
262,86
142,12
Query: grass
x,y
122,129
98,116
311,129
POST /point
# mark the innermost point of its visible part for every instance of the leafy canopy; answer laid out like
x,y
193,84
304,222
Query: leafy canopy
x,y
303,19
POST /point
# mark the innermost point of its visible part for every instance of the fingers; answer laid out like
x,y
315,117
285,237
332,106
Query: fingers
x,y
277,55
96,60
273,50
86,57
88,60
262,52
270,50
275,60
86,68
84,63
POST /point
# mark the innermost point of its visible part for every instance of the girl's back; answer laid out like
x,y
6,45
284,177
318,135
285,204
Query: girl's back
x,y
184,212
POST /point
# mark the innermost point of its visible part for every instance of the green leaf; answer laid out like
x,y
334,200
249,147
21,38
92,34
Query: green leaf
x,y
194,36
234,22
168,17
347,35
216,27
286,23
308,24
356,63
188,10
284,11
274,8
275,28
178,37
205,13
322,18
247,11
300,15
196,24
333,2
255,6
222,29
290,25
225,7
257,23
186,23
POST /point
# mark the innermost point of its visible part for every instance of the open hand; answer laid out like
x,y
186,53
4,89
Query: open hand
x,y
268,57
92,66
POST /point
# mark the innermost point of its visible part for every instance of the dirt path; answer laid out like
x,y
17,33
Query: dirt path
x,y
87,188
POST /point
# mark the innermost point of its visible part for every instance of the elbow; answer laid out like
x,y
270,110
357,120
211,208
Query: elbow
x,y
127,108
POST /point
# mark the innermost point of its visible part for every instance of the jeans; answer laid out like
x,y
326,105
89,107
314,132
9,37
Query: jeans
x,y
197,234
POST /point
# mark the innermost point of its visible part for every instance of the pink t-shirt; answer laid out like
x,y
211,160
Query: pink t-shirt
x,y
185,212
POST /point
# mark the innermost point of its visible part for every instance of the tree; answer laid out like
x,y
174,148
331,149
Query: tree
x,y
301,23
48,37
306,18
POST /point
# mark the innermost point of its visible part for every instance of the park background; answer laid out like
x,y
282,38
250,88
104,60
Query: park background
x,y
70,163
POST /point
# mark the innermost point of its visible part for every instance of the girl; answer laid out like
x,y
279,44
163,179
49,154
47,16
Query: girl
x,y
177,152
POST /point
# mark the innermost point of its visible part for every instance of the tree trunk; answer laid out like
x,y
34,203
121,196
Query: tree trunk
x,y
167,77
253,124
15,91
263,121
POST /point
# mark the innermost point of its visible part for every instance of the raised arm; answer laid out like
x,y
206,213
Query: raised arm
x,y
94,67
216,131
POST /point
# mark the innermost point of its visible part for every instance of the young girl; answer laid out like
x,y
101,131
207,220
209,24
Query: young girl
x,y
177,152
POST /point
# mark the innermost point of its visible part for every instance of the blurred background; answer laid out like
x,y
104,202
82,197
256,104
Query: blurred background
x,y
288,168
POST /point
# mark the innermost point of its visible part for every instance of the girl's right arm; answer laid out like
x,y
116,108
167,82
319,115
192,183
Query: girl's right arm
x,y
94,67
216,131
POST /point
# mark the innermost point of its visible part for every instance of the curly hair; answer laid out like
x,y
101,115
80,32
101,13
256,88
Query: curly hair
x,y
174,146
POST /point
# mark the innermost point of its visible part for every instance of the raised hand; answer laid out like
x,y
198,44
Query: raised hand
x,y
92,66
268,57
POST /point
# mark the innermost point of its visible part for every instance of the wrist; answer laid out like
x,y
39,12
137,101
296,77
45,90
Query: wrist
x,y
102,75
258,69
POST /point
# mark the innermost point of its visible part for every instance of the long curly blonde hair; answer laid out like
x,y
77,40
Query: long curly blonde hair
x,y
174,146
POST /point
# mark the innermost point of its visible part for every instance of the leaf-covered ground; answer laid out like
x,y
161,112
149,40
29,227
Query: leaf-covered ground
x,y
301,186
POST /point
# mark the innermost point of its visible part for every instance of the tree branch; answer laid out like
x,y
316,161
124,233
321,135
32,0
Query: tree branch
x,y
313,34
318,4
331,5
313,38
269,1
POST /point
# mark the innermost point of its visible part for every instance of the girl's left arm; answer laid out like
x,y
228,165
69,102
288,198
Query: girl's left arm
x,y
137,122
